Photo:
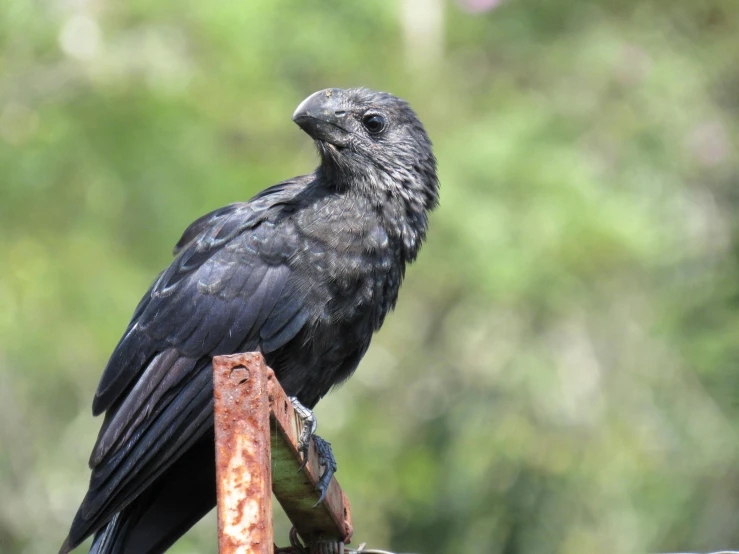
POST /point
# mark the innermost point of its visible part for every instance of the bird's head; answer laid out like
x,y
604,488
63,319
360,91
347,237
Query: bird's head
x,y
373,140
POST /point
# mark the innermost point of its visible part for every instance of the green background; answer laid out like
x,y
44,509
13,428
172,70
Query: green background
x,y
560,374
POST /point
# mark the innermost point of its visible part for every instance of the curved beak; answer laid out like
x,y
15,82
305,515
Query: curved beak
x,y
323,115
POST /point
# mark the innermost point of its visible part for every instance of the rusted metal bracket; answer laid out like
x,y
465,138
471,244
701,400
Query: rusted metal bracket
x,y
257,454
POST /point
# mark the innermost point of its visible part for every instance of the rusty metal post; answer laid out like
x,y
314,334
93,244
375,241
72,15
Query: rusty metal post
x,y
243,467
257,454
295,491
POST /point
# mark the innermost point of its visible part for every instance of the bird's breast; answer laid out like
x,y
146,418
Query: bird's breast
x,y
357,272
349,251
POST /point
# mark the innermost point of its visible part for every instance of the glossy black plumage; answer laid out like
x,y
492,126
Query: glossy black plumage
x,y
305,271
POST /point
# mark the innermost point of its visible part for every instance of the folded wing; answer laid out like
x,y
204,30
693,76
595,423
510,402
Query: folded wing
x,y
231,288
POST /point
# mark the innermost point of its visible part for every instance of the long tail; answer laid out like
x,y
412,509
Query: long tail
x,y
107,540
111,538
162,514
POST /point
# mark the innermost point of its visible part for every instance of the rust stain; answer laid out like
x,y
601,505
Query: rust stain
x,y
337,519
242,455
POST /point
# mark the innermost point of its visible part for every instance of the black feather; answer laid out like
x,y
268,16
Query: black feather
x,y
305,272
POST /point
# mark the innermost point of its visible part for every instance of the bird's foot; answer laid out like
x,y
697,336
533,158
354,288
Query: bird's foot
x,y
310,424
328,463
323,448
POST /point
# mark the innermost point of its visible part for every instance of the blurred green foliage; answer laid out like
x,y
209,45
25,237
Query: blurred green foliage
x,y
561,372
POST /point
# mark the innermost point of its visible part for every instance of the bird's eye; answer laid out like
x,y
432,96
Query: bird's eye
x,y
374,123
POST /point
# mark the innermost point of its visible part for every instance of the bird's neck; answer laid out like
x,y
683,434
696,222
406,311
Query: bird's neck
x,y
401,209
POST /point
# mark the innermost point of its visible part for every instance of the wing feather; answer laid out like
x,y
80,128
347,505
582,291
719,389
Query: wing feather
x,y
229,288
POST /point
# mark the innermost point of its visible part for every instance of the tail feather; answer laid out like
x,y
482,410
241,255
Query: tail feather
x,y
107,539
185,494
163,513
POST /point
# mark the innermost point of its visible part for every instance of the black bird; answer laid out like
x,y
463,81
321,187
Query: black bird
x,y
304,272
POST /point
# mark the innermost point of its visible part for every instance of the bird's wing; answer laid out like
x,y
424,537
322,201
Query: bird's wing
x,y
231,288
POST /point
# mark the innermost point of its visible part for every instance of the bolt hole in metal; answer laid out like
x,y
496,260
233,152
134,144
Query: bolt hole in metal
x,y
240,374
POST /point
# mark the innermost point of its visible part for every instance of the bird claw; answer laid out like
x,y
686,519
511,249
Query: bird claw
x,y
328,462
323,448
